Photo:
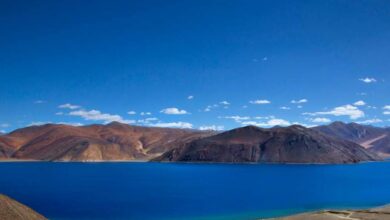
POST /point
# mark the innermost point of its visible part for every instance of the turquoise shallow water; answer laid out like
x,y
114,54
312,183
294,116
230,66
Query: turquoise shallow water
x,y
191,191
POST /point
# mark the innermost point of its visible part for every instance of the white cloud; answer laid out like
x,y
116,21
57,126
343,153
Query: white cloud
x,y
96,115
264,117
179,124
370,121
359,103
173,111
224,103
269,123
39,102
368,80
211,128
236,118
190,97
59,113
147,120
320,120
386,109
4,125
244,106
260,102
131,112
145,113
37,123
346,110
70,123
299,106
299,101
69,106
304,125
285,108
210,107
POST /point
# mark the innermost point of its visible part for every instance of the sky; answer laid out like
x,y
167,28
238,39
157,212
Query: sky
x,y
215,64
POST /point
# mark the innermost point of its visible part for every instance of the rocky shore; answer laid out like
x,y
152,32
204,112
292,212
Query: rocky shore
x,y
13,210
380,213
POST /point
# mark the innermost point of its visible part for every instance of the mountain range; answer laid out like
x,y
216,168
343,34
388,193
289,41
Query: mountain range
x,y
293,144
375,139
334,143
114,141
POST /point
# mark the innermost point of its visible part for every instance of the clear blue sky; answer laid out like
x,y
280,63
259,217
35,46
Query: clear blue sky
x,y
243,62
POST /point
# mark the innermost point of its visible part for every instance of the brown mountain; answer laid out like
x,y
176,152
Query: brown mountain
x,y
114,141
373,138
294,144
13,210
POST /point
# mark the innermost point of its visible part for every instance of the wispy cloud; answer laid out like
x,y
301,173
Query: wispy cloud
x,y
145,113
210,107
96,115
346,110
38,123
190,97
4,125
370,121
211,128
300,101
320,120
269,123
236,118
359,103
39,101
179,124
147,120
285,108
260,102
174,111
69,106
368,80
386,109
224,103
131,112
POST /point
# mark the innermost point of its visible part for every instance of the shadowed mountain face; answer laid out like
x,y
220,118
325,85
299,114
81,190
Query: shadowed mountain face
x,y
373,138
114,141
294,144
13,210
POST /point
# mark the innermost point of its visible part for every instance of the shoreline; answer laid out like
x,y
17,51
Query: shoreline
x,y
356,213
189,162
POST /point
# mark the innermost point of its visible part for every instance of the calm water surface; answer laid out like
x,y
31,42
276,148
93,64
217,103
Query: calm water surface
x,y
191,191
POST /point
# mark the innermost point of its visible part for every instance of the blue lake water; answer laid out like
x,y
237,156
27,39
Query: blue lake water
x,y
191,191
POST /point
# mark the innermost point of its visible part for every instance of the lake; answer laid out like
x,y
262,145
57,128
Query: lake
x,y
191,191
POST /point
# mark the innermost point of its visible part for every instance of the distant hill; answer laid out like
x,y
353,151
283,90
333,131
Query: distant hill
x,y
13,210
114,141
373,138
294,144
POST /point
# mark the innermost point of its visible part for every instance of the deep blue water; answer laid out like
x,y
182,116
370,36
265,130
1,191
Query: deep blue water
x,y
184,191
